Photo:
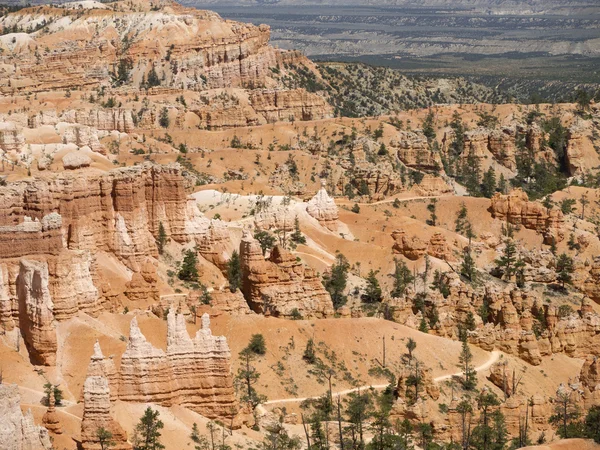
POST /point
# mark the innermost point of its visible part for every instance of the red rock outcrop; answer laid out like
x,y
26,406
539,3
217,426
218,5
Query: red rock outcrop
x,y
515,208
36,319
281,285
194,373
438,248
284,105
18,430
413,150
30,236
413,248
501,143
96,407
143,284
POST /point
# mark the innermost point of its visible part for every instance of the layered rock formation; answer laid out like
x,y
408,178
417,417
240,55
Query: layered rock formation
x,y
143,285
515,208
36,318
11,138
413,150
513,324
96,407
281,286
18,430
284,105
411,247
119,211
323,208
194,373
169,42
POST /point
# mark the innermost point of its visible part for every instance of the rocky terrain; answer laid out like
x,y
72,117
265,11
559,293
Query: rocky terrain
x,y
215,243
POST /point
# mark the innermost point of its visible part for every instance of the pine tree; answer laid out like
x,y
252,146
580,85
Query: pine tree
x,y
105,438
58,394
461,218
161,240
428,127
257,344
147,431
502,184
297,235
265,239
584,201
432,208
402,278
200,442
234,272
248,376
465,363
309,352
153,79
335,282
373,291
489,183
189,271
506,263
411,345
468,268
164,120
564,269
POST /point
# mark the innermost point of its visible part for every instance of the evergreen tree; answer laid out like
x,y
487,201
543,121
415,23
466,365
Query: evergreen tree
x,y
105,438
147,431
506,263
297,235
373,291
564,269
153,79
335,282
265,239
402,278
592,424
58,394
584,202
490,433
234,272
257,344
411,345
164,120
428,127
432,208
465,363
200,442
502,184
189,271
468,269
461,219
309,352
161,240
489,183
248,376
565,416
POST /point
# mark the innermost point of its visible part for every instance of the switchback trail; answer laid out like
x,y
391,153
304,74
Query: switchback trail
x,y
494,356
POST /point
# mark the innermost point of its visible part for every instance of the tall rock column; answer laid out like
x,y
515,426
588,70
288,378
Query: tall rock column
x,y
96,407
36,312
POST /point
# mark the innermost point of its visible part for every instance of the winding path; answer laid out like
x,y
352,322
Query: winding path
x,y
494,356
